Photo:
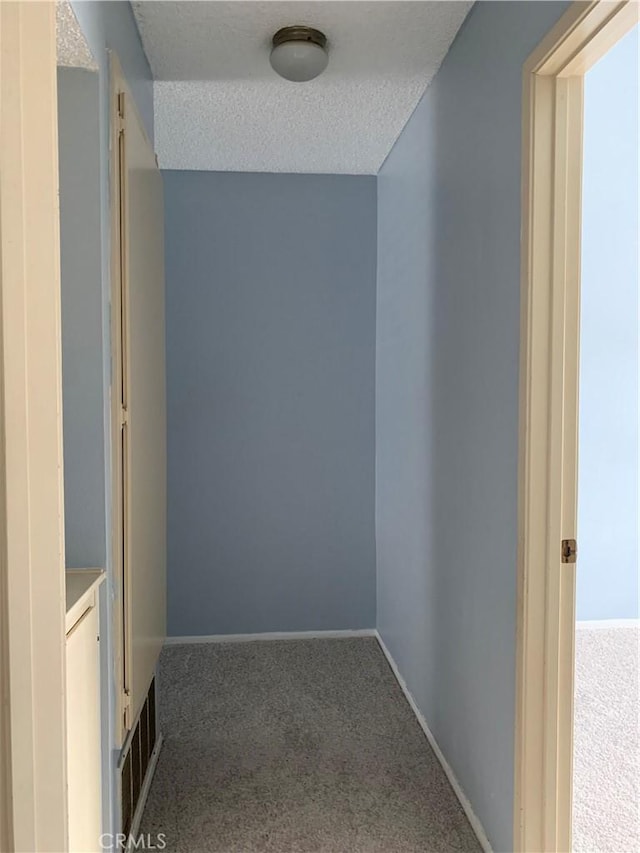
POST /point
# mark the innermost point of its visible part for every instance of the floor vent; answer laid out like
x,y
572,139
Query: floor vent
x,y
135,763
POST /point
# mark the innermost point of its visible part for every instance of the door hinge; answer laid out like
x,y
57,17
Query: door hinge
x,y
126,703
569,550
120,110
124,417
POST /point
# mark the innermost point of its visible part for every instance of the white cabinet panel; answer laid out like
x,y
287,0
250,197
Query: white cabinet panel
x,y
83,733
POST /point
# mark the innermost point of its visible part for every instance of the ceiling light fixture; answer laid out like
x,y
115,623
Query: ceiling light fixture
x,y
299,53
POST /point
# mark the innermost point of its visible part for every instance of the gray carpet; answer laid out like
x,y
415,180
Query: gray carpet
x,y
606,786
295,747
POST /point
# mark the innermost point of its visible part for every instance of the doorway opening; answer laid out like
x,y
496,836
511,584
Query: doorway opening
x,y
606,756
550,368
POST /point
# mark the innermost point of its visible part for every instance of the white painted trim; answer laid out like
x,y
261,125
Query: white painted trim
x,y
144,793
548,433
473,819
33,741
275,635
121,646
607,623
138,404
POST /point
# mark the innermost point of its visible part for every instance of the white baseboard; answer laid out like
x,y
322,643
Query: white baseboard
x,y
144,793
464,802
276,635
607,623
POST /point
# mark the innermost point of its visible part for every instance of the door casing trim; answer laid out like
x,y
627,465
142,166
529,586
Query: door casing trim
x,y
117,195
33,760
547,476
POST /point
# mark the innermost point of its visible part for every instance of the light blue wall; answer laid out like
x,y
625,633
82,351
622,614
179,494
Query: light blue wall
x,y
271,283
607,586
109,25
106,26
81,285
447,400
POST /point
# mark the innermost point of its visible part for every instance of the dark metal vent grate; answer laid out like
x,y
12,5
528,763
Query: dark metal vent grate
x,y
136,760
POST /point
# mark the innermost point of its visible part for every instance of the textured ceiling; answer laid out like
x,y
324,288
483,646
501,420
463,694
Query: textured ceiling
x,y
220,106
72,48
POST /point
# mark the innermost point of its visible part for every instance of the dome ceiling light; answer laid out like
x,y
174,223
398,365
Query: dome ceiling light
x,y
299,53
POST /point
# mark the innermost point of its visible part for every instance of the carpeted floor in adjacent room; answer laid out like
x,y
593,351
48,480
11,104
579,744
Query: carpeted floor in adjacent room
x,y
606,771
297,746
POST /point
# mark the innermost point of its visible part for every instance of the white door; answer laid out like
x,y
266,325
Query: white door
x,y
139,399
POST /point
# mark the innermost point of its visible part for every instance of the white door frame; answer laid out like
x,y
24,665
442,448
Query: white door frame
x,y
120,463
138,420
33,799
547,511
